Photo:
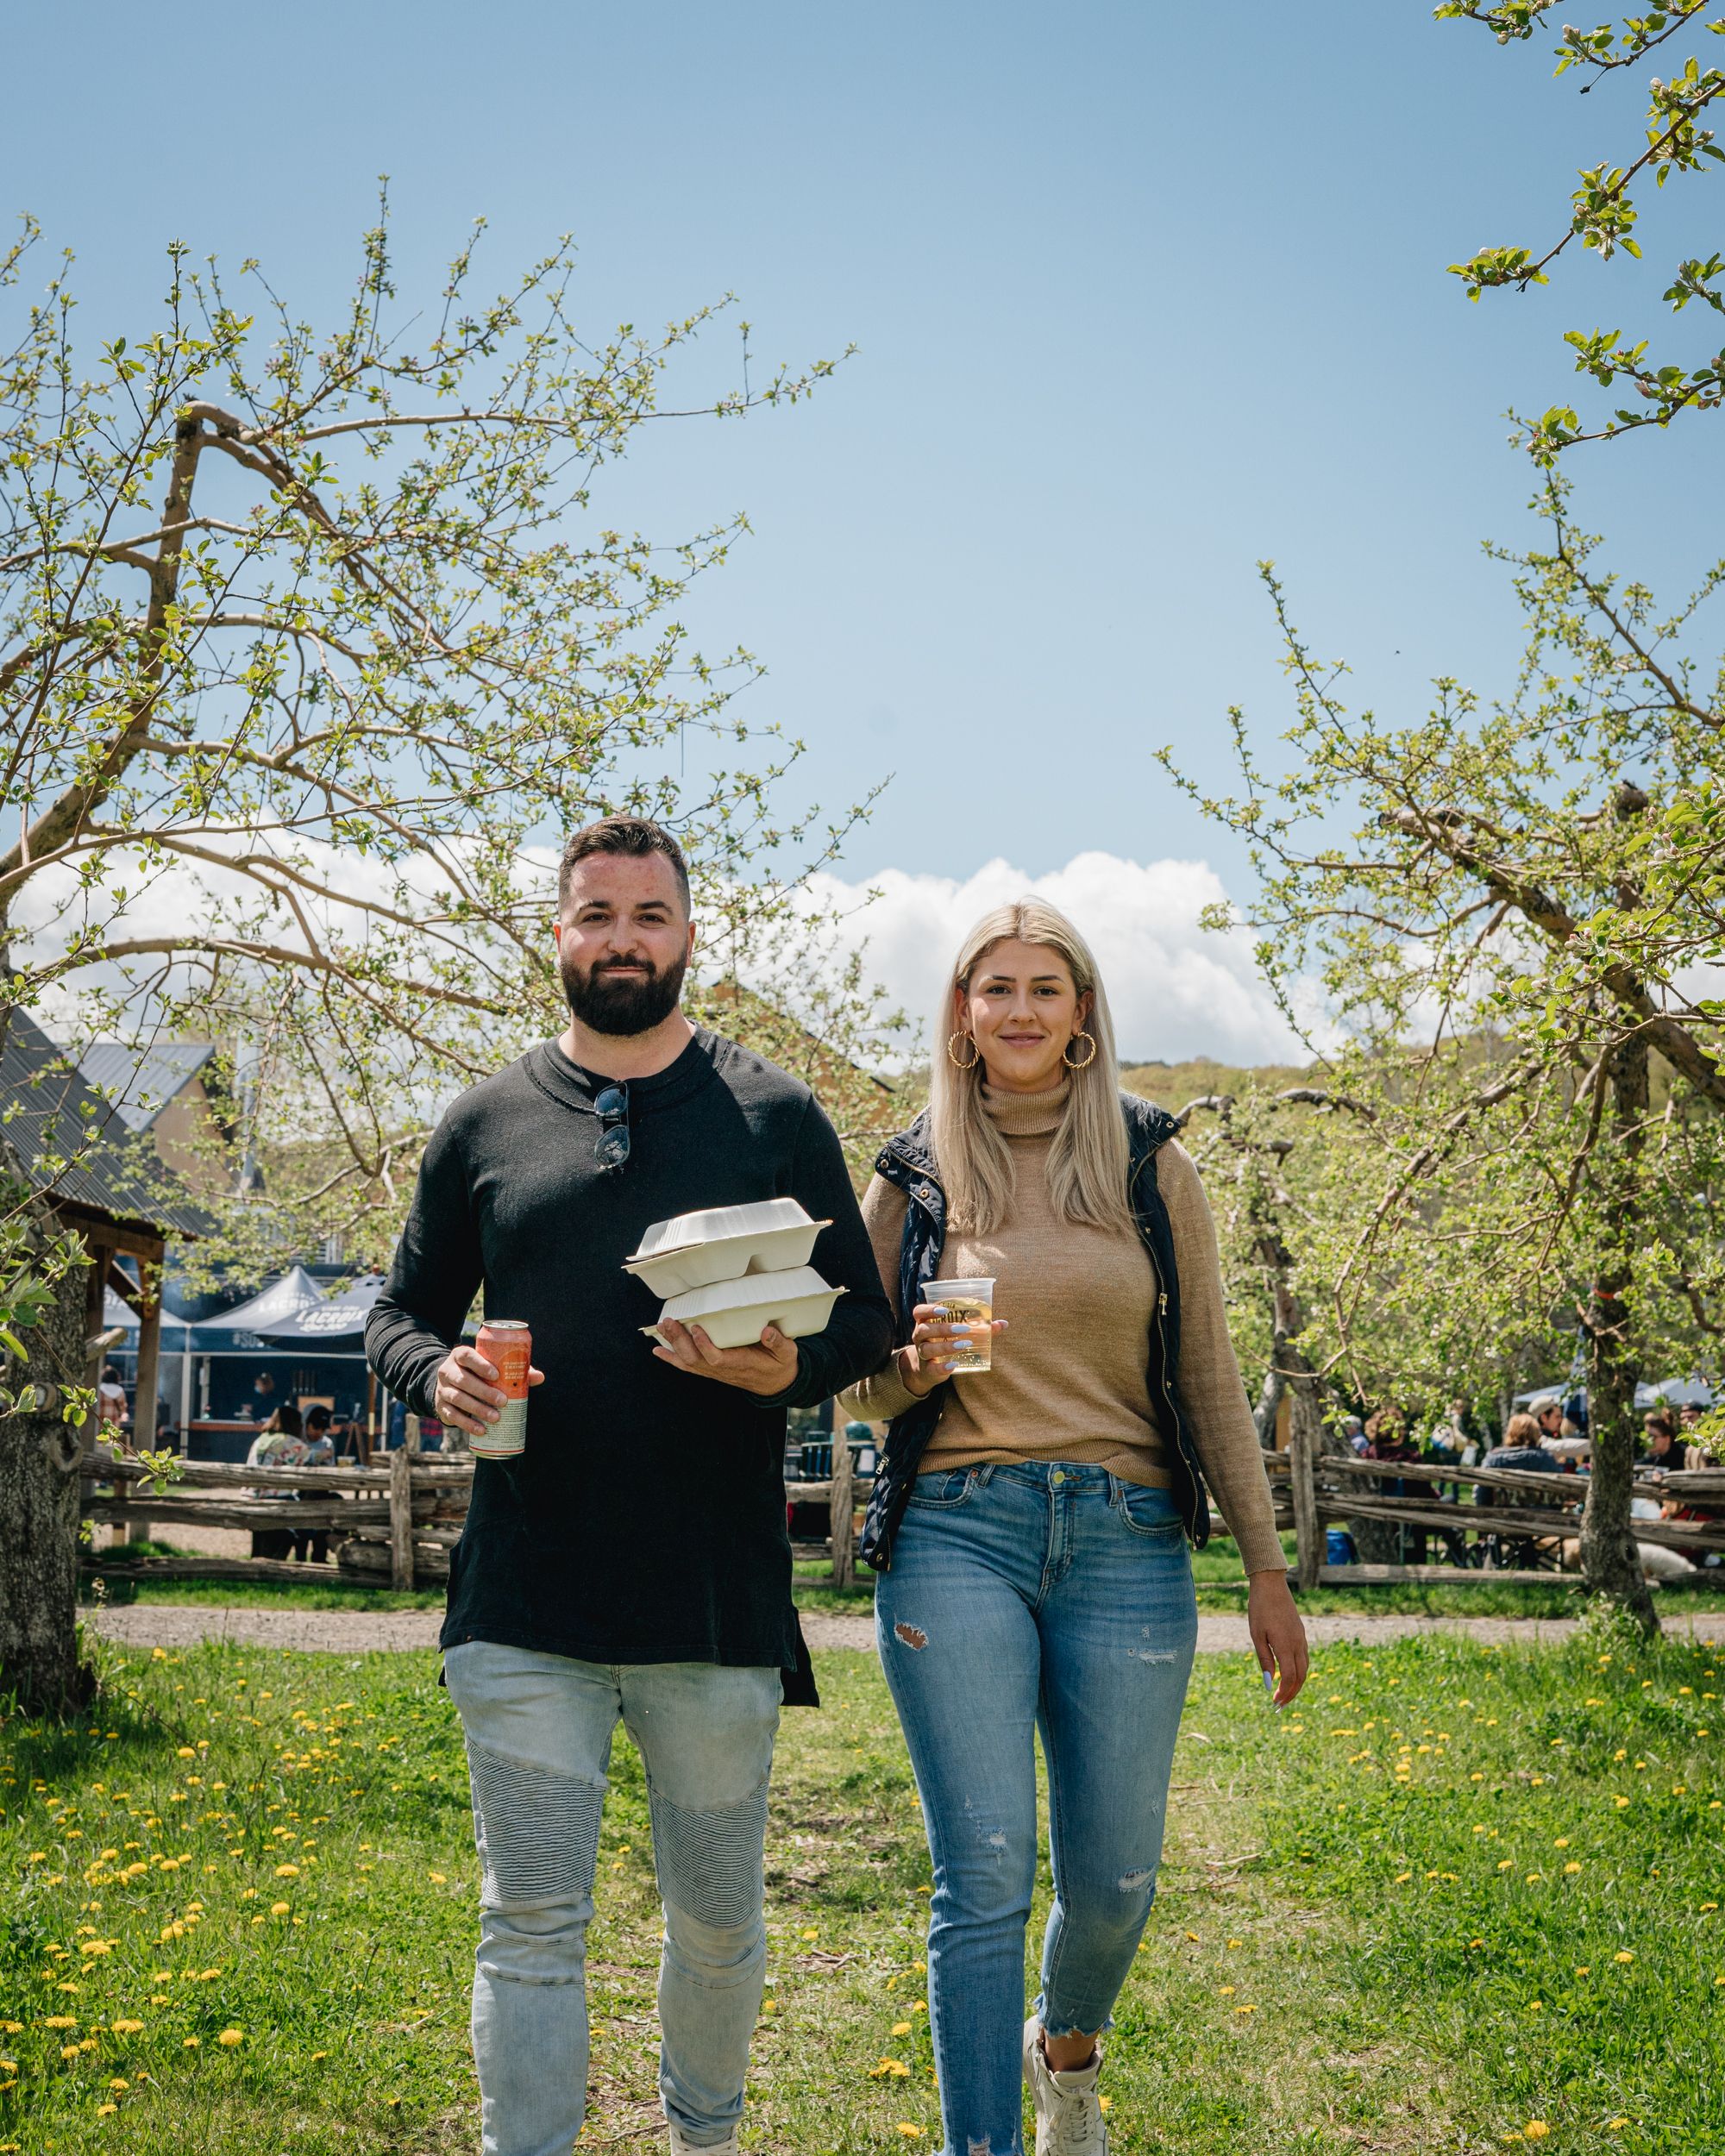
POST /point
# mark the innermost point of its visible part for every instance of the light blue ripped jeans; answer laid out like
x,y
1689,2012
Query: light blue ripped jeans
x,y
538,1728
1027,1597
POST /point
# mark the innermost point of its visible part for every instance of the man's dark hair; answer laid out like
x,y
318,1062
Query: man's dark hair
x,y
319,1418
1654,1425
635,835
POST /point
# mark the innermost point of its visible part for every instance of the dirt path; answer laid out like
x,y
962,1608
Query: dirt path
x,y
362,1632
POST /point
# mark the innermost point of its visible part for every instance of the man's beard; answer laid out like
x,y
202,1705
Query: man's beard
x,y
613,1003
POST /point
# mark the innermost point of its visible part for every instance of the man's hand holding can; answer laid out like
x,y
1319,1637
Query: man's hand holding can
x,y
483,1386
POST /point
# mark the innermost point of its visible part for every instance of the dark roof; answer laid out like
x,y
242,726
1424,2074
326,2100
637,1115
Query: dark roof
x,y
139,1083
72,1143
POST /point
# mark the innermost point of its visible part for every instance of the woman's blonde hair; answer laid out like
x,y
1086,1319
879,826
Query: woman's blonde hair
x,y
1089,1160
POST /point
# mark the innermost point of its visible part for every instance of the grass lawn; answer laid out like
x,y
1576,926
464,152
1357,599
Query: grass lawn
x,y
1458,1894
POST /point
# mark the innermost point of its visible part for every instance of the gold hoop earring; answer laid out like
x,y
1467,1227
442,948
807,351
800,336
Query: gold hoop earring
x,y
976,1052
1081,1035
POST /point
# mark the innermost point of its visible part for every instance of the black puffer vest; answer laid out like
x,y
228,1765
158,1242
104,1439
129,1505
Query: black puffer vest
x,y
907,1163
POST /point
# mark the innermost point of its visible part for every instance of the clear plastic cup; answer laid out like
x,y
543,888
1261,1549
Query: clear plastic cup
x,y
969,1302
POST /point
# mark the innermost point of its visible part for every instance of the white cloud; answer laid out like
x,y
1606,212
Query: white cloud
x,y
1176,989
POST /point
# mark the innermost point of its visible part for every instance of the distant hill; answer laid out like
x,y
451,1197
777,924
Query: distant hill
x,y
1172,1085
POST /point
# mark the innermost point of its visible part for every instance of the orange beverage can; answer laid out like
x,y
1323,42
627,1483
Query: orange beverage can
x,y
508,1344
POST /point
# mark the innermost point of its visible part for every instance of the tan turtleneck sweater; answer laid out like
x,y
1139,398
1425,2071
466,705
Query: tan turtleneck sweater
x,y
1069,1379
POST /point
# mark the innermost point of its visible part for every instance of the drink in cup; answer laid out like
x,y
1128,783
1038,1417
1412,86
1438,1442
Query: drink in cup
x,y
508,1344
969,1302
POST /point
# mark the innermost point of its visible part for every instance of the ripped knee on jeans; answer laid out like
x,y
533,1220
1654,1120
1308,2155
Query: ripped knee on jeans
x,y
913,1635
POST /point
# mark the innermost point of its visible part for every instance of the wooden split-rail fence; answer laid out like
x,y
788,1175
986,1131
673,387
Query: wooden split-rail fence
x,y
394,1527
389,1527
1536,1511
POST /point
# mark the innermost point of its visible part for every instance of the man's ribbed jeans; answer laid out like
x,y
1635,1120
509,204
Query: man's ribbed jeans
x,y
539,1728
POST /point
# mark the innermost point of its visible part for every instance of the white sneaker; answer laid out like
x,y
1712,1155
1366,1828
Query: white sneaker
x,y
1068,2117
681,2148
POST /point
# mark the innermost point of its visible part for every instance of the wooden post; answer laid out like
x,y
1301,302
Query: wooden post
x,y
839,1503
144,1394
149,1355
1308,1532
95,1306
401,1506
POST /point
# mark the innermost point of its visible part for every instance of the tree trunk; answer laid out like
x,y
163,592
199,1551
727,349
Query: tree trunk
x,y
1610,1562
1306,1441
39,1454
1269,1400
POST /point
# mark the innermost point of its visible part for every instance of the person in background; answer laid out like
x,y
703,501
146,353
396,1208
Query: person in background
x,y
1664,1452
280,1443
311,1545
111,1398
1030,1523
1521,1450
263,1400
1353,1433
1547,1412
1468,1447
1387,1439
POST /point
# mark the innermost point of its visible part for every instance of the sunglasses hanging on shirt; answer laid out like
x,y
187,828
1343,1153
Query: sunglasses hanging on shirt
x,y
611,1106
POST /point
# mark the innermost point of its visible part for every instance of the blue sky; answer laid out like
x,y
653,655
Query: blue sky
x,y
1142,293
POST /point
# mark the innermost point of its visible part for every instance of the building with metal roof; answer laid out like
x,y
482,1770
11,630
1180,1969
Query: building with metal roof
x,y
104,1181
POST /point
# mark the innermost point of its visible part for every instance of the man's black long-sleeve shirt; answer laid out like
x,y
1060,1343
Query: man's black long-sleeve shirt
x,y
645,1522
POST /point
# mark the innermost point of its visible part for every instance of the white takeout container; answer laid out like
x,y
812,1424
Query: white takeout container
x,y
733,1312
725,1243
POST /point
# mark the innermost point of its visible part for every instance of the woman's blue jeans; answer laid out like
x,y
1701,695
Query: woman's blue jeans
x,y
539,1729
1025,1596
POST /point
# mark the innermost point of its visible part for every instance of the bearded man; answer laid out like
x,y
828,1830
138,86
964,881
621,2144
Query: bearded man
x,y
631,1563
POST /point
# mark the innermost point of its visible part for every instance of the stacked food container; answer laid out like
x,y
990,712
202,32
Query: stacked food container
x,y
736,1269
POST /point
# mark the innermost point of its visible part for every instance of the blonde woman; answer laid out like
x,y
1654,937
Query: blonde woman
x,y
1030,1522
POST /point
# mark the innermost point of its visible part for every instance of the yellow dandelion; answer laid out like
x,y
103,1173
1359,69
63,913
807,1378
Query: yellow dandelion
x,y
438,1878
189,2043
106,2110
288,1871
117,2083
1535,2130
229,2037
1623,1954
895,2067
279,1908
910,2133
126,2029
902,2028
